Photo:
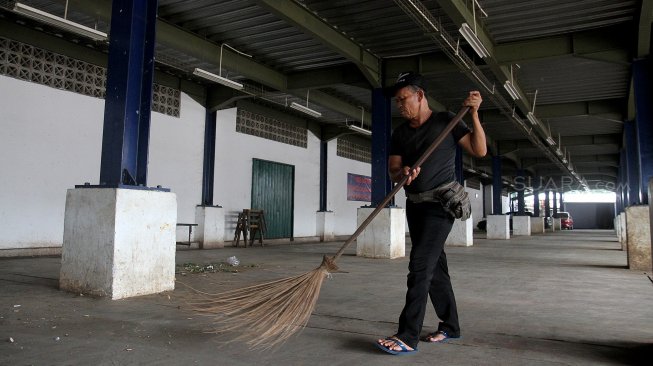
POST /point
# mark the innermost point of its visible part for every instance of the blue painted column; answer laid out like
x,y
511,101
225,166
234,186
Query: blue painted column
x,y
521,185
127,110
547,204
460,174
323,175
555,203
497,185
381,133
623,179
537,182
632,162
643,85
208,174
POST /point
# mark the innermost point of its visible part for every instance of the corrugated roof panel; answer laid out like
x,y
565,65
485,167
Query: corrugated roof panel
x,y
510,20
570,78
253,30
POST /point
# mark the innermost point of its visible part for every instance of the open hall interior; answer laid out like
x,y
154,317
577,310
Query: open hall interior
x,y
150,149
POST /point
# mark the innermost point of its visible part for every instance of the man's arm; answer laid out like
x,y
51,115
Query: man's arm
x,y
397,170
474,142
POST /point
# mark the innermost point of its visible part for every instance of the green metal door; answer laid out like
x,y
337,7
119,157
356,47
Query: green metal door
x,y
273,188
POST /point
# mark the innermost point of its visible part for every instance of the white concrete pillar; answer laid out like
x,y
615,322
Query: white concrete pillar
x,y
638,232
385,237
537,225
650,213
521,225
498,227
623,239
210,226
557,224
462,233
118,242
325,220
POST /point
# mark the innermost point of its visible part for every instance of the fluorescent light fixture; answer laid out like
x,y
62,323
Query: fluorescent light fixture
x,y
360,130
559,152
514,94
59,22
531,117
484,175
304,109
564,160
473,40
217,78
550,141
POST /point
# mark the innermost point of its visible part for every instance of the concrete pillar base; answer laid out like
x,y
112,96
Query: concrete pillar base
x,y
498,227
325,222
462,233
118,242
623,239
537,225
557,224
210,226
385,237
521,225
638,231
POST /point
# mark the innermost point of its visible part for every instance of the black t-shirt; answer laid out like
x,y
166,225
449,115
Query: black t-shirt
x,y
410,143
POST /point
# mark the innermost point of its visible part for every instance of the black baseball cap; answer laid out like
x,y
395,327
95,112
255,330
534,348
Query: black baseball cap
x,y
405,79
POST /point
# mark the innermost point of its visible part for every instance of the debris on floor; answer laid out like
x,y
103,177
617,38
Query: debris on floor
x,y
213,267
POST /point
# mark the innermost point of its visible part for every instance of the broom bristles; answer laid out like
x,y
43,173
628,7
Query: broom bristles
x,y
267,314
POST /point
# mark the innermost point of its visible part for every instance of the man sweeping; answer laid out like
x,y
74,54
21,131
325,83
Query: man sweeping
x,y
432,203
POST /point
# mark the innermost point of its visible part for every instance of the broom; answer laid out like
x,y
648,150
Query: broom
x,y
267,314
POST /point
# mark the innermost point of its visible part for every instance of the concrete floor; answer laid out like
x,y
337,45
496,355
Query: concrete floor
x,y
559,298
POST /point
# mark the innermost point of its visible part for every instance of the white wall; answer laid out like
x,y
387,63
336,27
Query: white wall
x,y
176,157
476,201
235,152
345,212
51,140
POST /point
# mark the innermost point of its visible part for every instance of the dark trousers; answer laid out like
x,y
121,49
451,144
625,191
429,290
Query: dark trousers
x,y
429,226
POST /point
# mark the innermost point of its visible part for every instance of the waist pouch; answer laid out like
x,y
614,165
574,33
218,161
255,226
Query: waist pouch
x,y
451,195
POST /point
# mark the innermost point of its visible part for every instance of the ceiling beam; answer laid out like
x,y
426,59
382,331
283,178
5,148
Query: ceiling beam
x,y
459,13
327,77
310,23
587,140
644,34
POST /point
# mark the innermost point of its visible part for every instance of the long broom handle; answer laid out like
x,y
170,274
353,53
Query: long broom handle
x,y
434,145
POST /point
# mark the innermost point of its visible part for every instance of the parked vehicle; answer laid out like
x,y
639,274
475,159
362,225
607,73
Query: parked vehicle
x,y
566,221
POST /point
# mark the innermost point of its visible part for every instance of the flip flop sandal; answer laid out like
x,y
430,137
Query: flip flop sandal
x,y
397,342
446,338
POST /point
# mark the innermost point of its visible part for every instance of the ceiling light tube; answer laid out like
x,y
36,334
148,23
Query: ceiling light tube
x,y
304,109
474,41
217,78
59,22
360,130
550,140
514,94
531,117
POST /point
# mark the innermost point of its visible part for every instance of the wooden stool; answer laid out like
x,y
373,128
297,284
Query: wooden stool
x,y
241,228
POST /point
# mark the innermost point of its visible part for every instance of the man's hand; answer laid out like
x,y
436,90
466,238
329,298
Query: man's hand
x,y
473,101
411,174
